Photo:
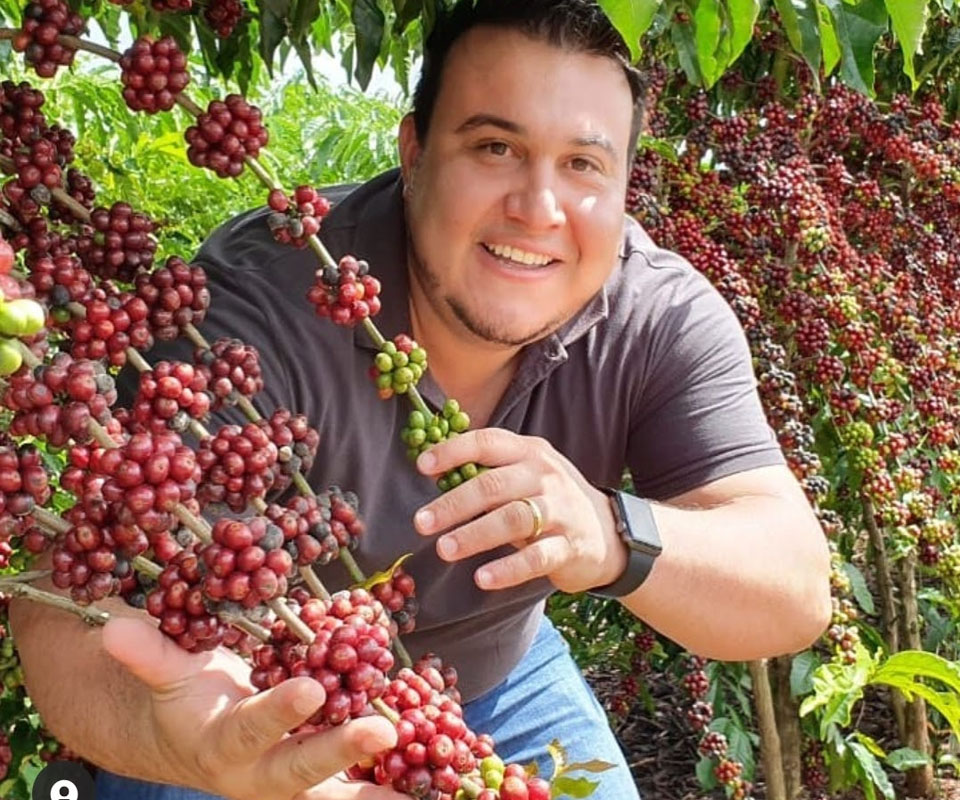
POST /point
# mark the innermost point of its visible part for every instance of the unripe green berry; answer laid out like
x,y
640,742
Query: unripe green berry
x,y
434,434
418,356
444,426
413,453
460,422
454,478
384,362
469,471
450,408
403,375
384,381
443,484
417,420
400,359
389,348
417,437
416,370
492,762
492,778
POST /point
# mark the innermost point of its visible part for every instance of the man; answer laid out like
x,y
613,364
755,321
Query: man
x,y
576,346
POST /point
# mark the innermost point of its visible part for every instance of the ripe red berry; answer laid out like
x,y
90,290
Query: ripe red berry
x,y
6,256
154,74
225,134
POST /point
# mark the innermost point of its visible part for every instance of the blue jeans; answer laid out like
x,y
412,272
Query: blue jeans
x,y
544,698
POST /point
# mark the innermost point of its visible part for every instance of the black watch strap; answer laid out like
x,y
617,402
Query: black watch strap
x,y
638,530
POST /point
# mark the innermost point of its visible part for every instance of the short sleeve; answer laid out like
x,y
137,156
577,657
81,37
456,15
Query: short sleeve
x,y
698,416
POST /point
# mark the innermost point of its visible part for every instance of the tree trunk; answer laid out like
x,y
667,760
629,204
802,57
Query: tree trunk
x,y
769,737
888,607
787,711
919,780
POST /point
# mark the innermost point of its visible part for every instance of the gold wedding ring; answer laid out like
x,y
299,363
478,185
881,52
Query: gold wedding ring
x,y
537,518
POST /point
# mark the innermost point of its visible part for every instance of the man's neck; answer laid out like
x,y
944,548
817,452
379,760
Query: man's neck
x,y
465,367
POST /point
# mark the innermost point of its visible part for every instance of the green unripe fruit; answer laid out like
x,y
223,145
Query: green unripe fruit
x,y
450,408
416,370
434,434
492,762
21,317
443,484
389,348
384,381
417,420
417,437
469,471
403,375
10,357
413,453
401,388
418,356
444,426
460,422
400,359
384,362
492,778
454,478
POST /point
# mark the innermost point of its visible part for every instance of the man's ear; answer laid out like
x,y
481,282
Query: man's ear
x,y
409,148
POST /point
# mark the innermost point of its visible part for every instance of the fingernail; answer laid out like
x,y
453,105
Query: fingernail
x,y
425,519
484,578
448,546
426,462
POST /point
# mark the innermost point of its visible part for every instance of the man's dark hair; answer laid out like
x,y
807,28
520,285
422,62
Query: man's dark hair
x,y
579,26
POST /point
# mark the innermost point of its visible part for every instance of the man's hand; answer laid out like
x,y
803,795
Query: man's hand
x,y
220,736
578,549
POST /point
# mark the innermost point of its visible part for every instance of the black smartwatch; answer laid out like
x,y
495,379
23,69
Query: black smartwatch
x,y
638,529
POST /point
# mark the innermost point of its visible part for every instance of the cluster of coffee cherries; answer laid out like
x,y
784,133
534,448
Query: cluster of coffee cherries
x,y
246,562
347,294
178,601
60,280
153,74
176,295
43,22
55,401
169,394
224,135
232,366
11,673
85,561
23,486
296,443
20,317
110,324
238,464
398,595
307,530
295,218
349,655
21,119
399,365
37,164
223,16
120,244
421,433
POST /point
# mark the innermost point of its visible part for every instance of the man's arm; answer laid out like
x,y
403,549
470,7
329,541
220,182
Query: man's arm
x,y
744,571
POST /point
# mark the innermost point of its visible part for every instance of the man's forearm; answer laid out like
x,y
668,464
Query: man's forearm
x,y
739,581
86,699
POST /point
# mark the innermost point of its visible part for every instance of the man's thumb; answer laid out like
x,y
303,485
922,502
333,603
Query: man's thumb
x,y
147,653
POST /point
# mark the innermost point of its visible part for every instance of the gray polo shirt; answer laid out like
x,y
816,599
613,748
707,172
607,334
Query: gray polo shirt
x,y
654,373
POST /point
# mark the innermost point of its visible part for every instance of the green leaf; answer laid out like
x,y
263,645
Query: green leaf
x,y
858,585
905,758
406,11
829,45
705,776
572,787
801,672
304,14
800,22
912,664
870,743
632,18
369,24
743,16
273,28
559,756
682,35
706,35
909,19
871,770
859,28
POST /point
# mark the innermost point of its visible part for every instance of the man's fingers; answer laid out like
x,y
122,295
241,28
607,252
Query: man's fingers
x,y
301,762
535,560
511,523
152,657
492,489
257,723
492,447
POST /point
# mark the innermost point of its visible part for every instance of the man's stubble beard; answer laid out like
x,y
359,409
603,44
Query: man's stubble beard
x,y
482,329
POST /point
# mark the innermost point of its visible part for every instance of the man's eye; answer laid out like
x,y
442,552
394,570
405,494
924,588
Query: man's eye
x,y
583,165
497,148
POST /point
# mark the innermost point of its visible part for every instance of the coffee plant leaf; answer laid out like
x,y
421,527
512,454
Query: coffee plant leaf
x,y
859,28
912,664
801,673
909,20
704,773
870,743
858,585
829,44
370,25
594,765
871,772
906,758
383,575
577,788
631,18
800,23
707,34
837,688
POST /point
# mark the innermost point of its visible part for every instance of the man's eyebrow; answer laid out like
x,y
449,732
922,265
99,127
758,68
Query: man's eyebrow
x,y
596,140
479,120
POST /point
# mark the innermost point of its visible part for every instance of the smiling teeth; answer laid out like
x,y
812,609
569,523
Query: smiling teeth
x,y
519,256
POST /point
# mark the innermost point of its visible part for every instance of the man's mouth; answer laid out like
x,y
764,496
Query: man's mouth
x,y
520,258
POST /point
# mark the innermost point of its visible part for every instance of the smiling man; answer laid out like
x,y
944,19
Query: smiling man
x,y
578,348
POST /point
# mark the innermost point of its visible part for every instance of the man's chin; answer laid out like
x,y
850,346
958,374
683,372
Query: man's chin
x,y
503,332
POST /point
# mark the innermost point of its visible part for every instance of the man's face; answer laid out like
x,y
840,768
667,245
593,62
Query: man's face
x,y
515,203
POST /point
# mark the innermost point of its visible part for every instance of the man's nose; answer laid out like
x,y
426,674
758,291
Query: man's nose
x,y
536,202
